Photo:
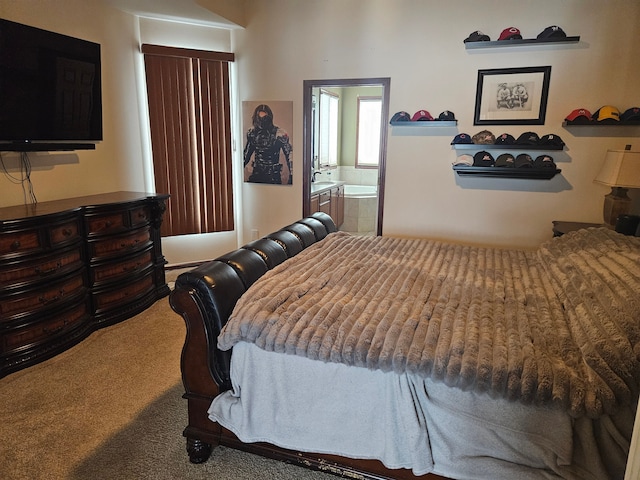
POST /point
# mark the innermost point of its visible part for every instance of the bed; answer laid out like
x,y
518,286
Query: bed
x,y
389,358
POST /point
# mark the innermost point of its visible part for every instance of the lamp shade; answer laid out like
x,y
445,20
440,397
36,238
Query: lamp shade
x,y
621,168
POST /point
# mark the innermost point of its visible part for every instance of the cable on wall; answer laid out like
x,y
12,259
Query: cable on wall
x,y
24,179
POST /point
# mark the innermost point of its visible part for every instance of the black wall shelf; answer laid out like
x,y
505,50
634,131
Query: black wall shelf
x,y
628,123
426,124
45,147
480,146
519,43
507,172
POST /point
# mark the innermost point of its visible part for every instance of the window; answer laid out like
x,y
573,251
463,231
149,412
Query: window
x,y
328,135
368,136
190,121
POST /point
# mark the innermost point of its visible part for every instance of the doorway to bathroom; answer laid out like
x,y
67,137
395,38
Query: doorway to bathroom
x,y
345,138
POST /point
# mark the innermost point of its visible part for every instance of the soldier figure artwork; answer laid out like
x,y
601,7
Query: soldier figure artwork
x,y
266,142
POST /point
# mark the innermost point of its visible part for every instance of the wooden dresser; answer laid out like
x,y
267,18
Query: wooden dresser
x,y
69,267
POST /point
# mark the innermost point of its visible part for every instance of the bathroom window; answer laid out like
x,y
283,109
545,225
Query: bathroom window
x,y
368,135
328,134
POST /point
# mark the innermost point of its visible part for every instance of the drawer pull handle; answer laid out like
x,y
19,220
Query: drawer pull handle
x,y
55,329
45,301
132,268
43,273
67,232
15,245
108,223
131,245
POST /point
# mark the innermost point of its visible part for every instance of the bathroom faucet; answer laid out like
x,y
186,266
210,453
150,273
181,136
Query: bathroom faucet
x,y
313,176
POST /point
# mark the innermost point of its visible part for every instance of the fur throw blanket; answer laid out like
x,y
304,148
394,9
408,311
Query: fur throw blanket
x,y
559,325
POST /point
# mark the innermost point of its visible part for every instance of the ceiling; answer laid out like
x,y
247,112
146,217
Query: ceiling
x,y
188,11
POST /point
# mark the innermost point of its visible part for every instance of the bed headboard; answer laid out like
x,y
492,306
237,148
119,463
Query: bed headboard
x,y
217,285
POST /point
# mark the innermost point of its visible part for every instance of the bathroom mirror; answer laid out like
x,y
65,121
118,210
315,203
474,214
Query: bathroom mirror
x,y
339,120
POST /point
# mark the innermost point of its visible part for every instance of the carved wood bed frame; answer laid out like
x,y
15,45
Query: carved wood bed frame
x,y
205,298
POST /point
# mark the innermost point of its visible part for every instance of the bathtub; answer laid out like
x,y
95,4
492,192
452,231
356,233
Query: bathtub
x,y
360,191
360,209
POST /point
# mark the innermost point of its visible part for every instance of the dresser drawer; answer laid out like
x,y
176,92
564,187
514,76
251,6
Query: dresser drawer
x,y
12,275
140,216
120,245
65,233
110,223
20,242
121,269
121,296
38,332
50,296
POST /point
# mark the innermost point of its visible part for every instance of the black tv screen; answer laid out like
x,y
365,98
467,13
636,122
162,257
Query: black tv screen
x,y
50,87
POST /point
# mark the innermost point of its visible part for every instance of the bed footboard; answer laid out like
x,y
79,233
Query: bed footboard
x,y
205,297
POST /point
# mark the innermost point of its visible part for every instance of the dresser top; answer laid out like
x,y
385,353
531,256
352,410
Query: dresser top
x,y
68,204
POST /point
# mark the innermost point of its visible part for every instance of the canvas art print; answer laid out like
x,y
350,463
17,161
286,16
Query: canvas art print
x,y
267,144
512,96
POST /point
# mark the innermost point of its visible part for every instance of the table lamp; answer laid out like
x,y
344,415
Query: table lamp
x,y
620,171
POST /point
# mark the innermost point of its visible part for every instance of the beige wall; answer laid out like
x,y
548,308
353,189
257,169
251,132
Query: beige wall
x,y
418,44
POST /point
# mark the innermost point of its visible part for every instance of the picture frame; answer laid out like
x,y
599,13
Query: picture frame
x,y
512,96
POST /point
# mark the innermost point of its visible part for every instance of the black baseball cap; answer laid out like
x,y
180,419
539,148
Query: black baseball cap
x,y
483,159
461,138
632,113
528,138
401,116
544,161
552,31
524,160
505,160
446,116
551,140
505,139
477,36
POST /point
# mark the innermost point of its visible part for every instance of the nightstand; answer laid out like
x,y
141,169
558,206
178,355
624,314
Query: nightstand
x,y
560,227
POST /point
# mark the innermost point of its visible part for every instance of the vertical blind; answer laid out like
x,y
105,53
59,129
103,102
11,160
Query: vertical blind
x,y
190,122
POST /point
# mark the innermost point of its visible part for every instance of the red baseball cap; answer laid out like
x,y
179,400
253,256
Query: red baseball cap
x,y
581,114
511,33
421,115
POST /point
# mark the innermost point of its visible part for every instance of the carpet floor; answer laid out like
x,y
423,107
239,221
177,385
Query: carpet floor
x,y
111,408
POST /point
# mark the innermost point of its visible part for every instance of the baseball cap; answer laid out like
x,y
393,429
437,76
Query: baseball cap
x,y
579,115
528,138
551,140
463,160
505,139
421,116
484,137
511,33
544,161
524,160
505,160
483,159
632,113
607,113
461,138
552,31
401,116
447,116
477,36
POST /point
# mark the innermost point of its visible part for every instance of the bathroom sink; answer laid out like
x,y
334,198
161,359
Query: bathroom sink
x,y
317,186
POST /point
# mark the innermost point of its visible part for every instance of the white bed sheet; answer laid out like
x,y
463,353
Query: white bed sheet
x,y
401,420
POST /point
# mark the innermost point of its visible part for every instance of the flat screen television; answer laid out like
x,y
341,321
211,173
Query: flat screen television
x,y
50,90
